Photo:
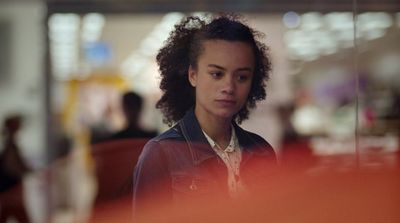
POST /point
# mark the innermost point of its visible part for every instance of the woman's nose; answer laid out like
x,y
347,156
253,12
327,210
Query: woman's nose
x,y
228,85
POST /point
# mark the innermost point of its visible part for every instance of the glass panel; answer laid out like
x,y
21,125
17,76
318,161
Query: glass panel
x,y
331,114
331,103
378,56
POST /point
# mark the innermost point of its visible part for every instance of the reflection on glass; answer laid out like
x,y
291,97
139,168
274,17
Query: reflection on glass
x,y
110,54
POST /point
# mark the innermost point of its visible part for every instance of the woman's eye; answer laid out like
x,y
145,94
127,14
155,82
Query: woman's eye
x,y
242,78
216,74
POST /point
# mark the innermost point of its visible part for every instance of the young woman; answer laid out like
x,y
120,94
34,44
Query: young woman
x,y
213,72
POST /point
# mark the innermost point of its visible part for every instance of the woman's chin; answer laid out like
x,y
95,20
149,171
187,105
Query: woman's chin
x,y
225,114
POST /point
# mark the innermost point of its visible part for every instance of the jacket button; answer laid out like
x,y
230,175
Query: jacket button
x,y
193,186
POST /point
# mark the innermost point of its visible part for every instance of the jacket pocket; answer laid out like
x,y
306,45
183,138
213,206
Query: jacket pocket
x,y
192,185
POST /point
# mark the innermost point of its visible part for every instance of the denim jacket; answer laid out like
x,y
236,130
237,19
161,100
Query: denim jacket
x,y
180,164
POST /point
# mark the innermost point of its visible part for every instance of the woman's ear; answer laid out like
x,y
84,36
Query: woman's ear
x,y
192,74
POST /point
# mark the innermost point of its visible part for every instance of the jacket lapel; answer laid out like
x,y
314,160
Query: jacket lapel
x,y
197,142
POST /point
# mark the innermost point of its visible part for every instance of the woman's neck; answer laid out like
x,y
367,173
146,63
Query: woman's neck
x,y
218,129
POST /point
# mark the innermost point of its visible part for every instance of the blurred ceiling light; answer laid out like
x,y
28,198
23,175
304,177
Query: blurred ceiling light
x,y
341,26
376,19
345,38
294,39
291,20
339,20
374,34
149,46
69,21
308,54
312,21
325,34
93,21
68,46
325,42
309,45
59,58
373,25
62,37
63,34
92,27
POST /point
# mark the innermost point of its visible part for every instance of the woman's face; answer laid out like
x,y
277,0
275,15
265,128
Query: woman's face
x,y
223,77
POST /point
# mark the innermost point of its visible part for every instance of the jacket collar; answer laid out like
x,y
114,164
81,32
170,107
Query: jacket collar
x,y
198,144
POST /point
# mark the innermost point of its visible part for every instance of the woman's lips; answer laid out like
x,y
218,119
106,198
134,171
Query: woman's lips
x,y
226,103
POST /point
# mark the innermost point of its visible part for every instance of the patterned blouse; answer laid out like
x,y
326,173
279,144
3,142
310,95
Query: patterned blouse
x,y
231,156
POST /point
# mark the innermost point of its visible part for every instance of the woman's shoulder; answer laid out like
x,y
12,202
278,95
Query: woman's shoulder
x,y
172,134
259,139
244,134
253,141
161,146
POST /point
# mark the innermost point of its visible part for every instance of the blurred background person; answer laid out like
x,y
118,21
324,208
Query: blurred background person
x,y
12,166
132,104
12,170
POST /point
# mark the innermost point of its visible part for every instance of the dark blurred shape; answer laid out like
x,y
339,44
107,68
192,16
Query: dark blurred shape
x,y
285,113
12,205
116,156
295,194
132,107
100,131
61,142
12,166
295,148
12,169
393,115
115,161
271,6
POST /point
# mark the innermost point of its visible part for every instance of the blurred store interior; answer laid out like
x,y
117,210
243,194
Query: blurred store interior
x,y
334,90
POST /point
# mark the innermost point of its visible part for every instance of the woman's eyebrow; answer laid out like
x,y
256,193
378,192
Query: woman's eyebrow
x,y
245,69
239,69
216,66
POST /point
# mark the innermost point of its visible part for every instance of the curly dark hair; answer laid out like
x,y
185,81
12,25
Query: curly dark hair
x,y
183,48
